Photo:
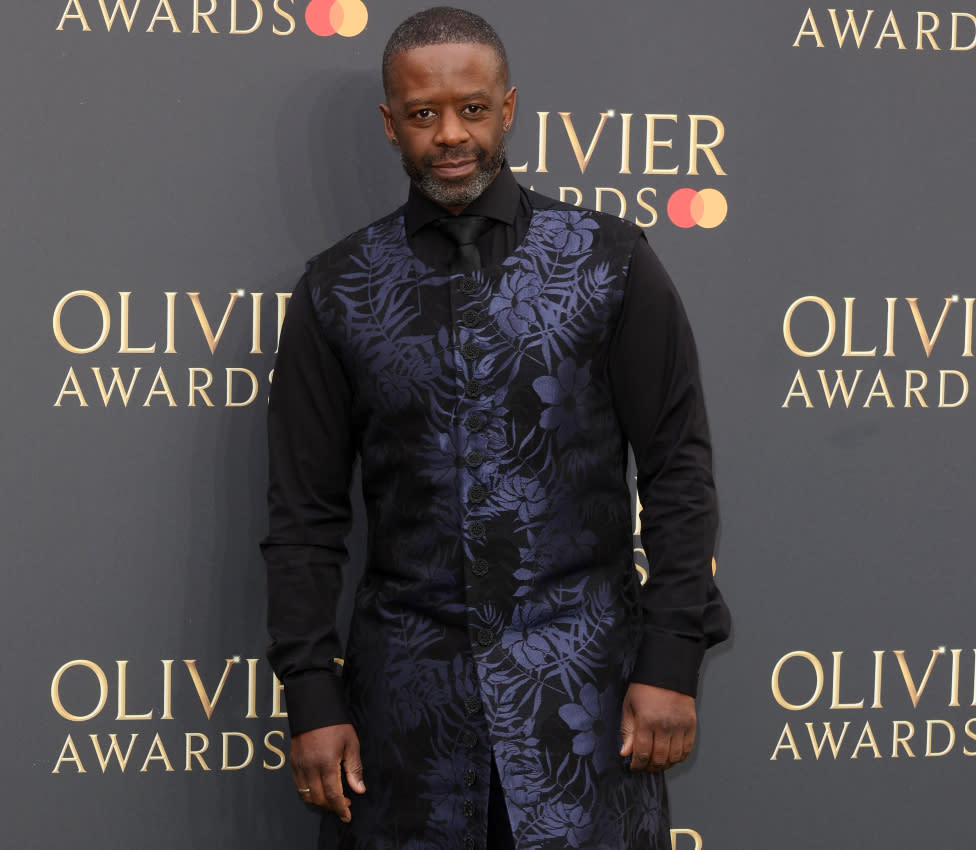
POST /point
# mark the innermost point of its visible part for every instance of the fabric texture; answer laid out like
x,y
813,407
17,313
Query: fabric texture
x,y
464,231
500,612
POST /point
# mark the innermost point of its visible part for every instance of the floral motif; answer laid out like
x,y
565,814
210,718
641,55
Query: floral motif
x,y
588,718
571,234
529,652
514,307
525,496
566,394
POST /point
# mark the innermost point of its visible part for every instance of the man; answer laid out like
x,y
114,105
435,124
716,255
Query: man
x,y
487,353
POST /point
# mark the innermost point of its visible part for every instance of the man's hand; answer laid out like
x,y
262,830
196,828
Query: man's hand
x,y
657,726
317,759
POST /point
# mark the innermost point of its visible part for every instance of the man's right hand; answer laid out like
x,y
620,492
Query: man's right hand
x,y
317,760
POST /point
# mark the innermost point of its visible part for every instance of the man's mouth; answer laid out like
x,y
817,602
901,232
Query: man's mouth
x,y
454,167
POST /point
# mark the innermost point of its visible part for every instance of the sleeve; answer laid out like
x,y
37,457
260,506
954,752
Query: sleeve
x,y
658,397
311,453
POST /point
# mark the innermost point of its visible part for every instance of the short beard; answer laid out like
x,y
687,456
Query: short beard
x,y
455,193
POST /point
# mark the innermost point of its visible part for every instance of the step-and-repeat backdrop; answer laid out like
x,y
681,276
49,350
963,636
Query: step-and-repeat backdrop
x,y
805,173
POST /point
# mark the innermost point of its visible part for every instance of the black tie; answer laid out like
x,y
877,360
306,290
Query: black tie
x,y
463,231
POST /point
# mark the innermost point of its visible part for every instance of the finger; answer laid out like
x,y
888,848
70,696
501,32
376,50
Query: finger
x,y
354,767
689,742
303,788
627,735
330,782
298,776
643,750
677,752
302,779
661,754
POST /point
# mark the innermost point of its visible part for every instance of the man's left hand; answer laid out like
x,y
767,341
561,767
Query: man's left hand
x,y
657,726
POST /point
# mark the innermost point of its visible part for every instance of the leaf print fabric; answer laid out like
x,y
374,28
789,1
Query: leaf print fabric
x,y
497,614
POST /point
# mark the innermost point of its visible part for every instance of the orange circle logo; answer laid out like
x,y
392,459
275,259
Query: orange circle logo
x,y
328,17
706,208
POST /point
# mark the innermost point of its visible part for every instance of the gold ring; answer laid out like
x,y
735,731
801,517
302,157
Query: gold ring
x,y
304,790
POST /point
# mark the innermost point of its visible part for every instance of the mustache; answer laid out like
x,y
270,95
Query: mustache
x,y
455,154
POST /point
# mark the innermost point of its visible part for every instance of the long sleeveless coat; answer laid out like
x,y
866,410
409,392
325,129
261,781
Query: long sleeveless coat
x,y
500,611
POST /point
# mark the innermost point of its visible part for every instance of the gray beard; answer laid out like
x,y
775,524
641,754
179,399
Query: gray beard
x,y
451,193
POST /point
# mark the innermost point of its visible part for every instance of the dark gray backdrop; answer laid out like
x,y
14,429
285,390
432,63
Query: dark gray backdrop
x,y
207,163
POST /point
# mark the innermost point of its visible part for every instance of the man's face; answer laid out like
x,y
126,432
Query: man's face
x,y
447,108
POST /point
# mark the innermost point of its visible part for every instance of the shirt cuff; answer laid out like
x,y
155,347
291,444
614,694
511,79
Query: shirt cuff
x,y
669,661
315,700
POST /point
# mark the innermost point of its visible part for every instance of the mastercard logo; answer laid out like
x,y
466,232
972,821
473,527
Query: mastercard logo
x,y
705,208
328,17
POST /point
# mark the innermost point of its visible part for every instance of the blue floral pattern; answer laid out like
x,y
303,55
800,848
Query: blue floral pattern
x,y
498,612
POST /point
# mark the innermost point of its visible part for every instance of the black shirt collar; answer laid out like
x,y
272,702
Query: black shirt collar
x,y
499,201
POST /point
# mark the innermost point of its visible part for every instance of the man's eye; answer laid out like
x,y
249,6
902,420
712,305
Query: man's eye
x,y
473,109
423,114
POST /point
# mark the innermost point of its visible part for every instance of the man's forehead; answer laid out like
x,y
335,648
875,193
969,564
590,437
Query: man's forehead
x,y
445,67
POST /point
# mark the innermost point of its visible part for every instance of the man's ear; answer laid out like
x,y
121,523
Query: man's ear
x,y
388,127
508,105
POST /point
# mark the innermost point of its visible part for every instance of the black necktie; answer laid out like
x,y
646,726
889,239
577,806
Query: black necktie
x,y
463,231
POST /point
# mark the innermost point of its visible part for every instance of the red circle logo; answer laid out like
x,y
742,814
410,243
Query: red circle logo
x,y
705,208
328,17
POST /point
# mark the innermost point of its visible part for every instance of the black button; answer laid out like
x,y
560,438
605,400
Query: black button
x,y
468,843
468,808
472,389
468,285
474,422
479,567
486,637
471,318
472,704
470,351
469,739
474,459
477,494
477,529
470,776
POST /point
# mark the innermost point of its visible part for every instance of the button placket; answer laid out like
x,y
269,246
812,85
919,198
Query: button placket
x,y
473,390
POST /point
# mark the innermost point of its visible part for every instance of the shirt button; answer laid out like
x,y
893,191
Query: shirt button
x,y
486,637
475,422
477,530
472,704
470,351
468,808
474,459
469,739
472,389
468,843
468,285
471,318
477,494
470,776
479,567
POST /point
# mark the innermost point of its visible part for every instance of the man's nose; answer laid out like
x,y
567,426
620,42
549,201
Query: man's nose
x,y
451,130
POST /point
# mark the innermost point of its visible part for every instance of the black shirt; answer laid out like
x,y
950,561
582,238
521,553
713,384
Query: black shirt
x,y
504,202
653,368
